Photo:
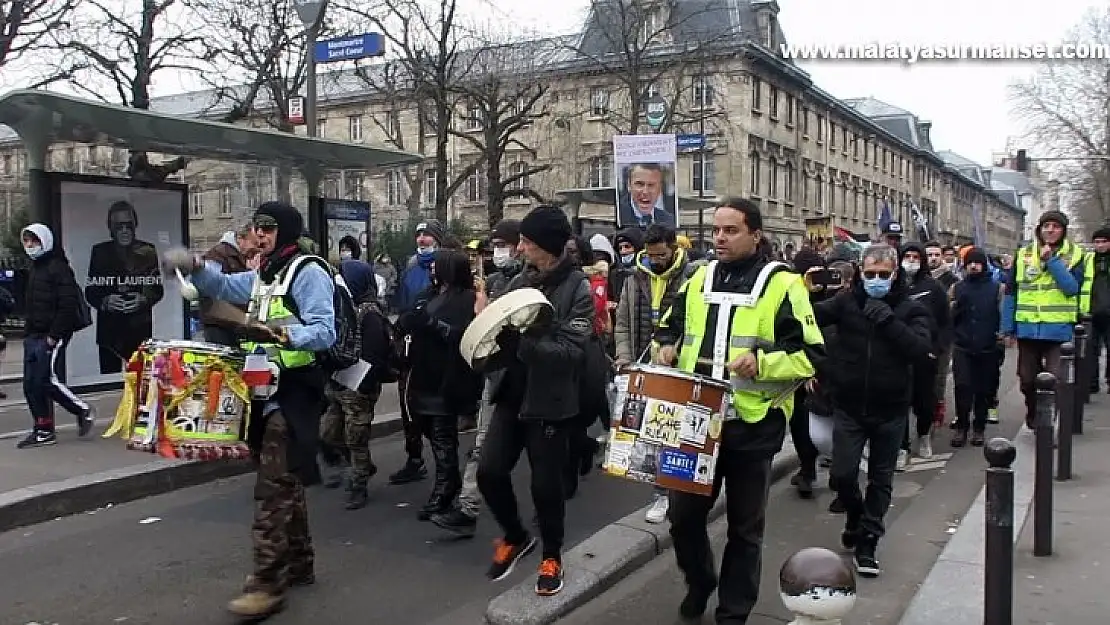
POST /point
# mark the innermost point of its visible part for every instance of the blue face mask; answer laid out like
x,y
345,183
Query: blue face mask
x,y
628,258
877,287
426,254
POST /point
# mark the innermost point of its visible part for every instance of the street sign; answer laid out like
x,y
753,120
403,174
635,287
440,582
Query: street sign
x,y
296,110
655,109
349,48
690,142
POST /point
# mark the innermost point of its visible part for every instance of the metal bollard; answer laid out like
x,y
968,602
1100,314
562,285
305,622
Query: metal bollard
x,y
817,587
1042,475
1088,355
998,574
1082,379
1065,408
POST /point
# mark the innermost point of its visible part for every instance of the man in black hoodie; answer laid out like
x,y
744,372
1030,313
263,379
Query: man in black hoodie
x,y
806,260
921,286
1100,304
977,318
882,334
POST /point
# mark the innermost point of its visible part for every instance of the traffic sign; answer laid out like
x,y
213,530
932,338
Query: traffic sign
x,y
655,109
349,48
690,142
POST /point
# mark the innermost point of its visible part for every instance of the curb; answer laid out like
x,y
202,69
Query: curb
x,y
952,592
43,502
600,561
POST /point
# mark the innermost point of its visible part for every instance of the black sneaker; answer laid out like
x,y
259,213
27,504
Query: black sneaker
x,y
850,537
357,498
413,471
803,483
695,603
836,506
457,522
550,580
37,438
505,557
85,422
866,564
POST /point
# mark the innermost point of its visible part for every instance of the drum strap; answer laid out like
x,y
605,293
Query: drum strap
x,y
726,303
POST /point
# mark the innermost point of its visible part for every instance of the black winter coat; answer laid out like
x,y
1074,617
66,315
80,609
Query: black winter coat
x,y
976,313
934,297
439,380
52,297
868,369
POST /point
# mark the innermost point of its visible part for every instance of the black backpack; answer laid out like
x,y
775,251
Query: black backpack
x,y
347,349
393,359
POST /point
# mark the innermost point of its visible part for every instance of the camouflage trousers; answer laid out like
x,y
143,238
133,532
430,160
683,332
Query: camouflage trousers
x,y
346,427
282,545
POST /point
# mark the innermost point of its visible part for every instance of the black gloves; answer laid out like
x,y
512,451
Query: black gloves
x,y
877,311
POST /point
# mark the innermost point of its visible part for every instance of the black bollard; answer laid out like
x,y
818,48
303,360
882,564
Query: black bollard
x,y
1065,408
998,575
1042,474
1082,378
1088,355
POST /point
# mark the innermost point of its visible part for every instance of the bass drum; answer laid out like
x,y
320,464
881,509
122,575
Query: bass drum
x,y
521,308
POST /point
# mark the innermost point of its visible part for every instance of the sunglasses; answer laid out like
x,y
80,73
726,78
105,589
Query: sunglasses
x,y
871,275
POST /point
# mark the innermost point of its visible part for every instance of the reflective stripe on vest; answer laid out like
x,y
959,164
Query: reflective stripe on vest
x,y
267,306
750,329
1039,299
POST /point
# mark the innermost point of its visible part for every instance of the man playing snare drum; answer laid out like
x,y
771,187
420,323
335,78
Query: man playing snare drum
x,y
770,343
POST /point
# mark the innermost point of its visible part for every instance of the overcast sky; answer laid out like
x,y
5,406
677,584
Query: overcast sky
x,y
967,102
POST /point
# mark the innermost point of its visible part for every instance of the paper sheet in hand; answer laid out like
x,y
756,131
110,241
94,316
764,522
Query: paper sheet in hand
x,y
351,377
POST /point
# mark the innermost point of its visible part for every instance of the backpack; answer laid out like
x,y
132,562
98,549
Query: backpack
x,y
393,358
347,349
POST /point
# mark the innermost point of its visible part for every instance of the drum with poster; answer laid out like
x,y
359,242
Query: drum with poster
x,y
666,428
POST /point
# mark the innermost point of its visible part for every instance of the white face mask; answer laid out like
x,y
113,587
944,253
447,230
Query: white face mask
x,y
34,251
911,267
426,250
345,255
502,256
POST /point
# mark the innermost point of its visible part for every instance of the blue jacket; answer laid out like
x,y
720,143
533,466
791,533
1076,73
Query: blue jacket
x,y
1068,281
414,281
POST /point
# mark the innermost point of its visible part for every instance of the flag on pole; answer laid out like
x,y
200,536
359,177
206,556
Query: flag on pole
x,y
885,218
977,223
919,221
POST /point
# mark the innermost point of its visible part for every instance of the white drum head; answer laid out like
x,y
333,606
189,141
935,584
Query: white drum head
x,y
520,308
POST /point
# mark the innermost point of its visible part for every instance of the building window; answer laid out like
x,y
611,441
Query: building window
x,y
703,169
805,121
473,116
517,169
832,193
225,201
476,186
791,108
196,205
820,128
71,158
753,182
321,127
855,146
819,188
772,179
757,94
393,125
393,184
832,135
651,25
844,138
703,92
429,194
599,102
354,128
884,160
600,170
354,182
788,191
774,97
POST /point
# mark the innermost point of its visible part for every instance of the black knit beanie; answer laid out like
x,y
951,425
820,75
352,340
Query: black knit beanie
x,y
977,255
547,227
287,219
1101,233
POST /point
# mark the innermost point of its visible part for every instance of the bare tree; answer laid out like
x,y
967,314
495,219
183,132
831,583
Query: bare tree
x,y
427,38
1066,106
653,48
504,95
26,24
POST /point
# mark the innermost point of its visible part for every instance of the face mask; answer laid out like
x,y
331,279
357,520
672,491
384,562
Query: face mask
x,y
877,287
502,257
345,255
34,251
911,267
627,259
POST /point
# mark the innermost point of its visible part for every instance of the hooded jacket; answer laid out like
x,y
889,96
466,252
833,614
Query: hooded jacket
x,y
646,297
926,290
1068,279
359,277
976,310
52,294
352,243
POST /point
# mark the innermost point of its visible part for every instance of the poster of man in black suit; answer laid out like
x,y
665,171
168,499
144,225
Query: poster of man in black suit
x,y
124,283
644,199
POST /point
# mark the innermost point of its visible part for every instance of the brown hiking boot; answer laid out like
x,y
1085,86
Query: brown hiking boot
x,y
257,604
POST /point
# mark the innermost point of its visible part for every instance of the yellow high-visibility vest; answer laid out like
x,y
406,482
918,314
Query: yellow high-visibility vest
x,y
267,306
1038,298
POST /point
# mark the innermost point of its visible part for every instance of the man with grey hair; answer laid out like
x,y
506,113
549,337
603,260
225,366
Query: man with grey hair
x,y
233,253
881,334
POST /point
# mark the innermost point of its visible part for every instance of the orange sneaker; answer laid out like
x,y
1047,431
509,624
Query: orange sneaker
x,y
550,580
505,557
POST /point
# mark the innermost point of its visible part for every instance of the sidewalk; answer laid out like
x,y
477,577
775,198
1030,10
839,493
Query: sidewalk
x,y
1069,587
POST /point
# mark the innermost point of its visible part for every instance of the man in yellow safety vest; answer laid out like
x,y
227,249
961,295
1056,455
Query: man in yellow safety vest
x,y
747,319
1048,289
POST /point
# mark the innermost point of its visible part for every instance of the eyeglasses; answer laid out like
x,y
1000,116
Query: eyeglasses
x,y
871,275
266,228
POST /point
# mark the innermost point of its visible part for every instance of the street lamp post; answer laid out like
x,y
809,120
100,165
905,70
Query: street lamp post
x,y
311,13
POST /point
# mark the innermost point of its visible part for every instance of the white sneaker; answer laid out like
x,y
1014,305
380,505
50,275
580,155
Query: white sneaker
x,y
657,513
925,447
903,461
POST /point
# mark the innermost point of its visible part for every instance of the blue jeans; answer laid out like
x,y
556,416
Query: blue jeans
x,y
43,382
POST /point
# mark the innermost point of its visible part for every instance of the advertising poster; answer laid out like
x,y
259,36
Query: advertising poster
x,y
346,218
644,166
114,236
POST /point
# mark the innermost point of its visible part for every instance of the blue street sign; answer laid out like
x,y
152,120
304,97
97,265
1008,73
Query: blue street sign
x,y
349,48
690,142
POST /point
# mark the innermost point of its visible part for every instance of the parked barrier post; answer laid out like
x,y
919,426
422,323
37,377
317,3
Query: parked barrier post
x,y
1042,478
998,574
1065,408
1082,378
1089,359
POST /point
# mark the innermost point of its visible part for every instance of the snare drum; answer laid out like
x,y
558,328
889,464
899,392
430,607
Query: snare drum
x,y
666,427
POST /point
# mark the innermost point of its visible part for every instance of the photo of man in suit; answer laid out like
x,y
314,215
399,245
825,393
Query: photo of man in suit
x,y
124,284
644,199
